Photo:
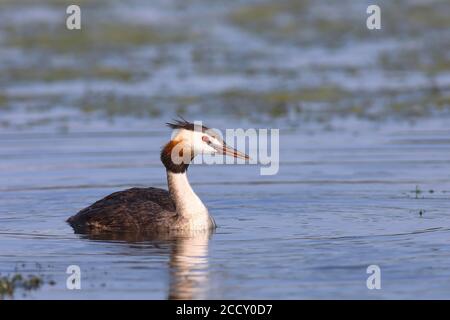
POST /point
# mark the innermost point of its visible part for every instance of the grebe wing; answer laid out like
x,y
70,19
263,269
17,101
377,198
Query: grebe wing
x,y
131,209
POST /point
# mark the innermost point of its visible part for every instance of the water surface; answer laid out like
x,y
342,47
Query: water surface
x,y
364,145
340,202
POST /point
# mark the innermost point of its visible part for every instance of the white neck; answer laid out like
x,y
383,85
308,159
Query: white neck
x,y
188,204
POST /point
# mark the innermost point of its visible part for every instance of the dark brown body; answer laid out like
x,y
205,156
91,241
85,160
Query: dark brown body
x,y
135,209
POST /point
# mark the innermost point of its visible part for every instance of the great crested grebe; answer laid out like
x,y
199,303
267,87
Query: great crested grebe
x,y
157,210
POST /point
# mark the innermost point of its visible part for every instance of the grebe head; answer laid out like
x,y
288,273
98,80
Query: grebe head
x,y
189,140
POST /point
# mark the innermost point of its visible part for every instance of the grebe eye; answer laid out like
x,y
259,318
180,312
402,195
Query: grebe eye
x,y
206,139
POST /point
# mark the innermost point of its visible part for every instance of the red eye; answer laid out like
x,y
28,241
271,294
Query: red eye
x,y
205,139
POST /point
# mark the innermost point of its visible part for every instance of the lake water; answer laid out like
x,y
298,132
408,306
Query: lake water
x,y
364,146
341,201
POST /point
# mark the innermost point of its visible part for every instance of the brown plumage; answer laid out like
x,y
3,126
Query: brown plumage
x,y
123,211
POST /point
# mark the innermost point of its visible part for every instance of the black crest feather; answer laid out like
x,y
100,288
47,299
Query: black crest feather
x,y
184,124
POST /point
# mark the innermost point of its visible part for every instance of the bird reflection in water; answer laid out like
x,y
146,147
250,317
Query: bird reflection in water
x,y
188,263
189,267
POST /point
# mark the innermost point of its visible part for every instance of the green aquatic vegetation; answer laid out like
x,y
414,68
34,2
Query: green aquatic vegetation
x,y
54,75
258,15
187,100
40,74
299,21
442,101
100,36
112,73
62,74
431,62
426,103
44,38
112,105
9,284
278,110
429,16
3,101
417,192
439,64
357,110
405,59
408,109
279,103
296,22
119,34
264,17
325,93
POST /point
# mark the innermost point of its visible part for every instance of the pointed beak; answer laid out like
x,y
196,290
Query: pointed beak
x,y
233,152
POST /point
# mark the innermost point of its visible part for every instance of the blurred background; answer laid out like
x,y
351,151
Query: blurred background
x,y
364,145
296,60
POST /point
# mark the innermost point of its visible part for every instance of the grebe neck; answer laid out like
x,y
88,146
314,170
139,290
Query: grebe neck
x,y
187,203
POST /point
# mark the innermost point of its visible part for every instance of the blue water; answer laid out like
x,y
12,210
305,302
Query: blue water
x,y
341,202
363,176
